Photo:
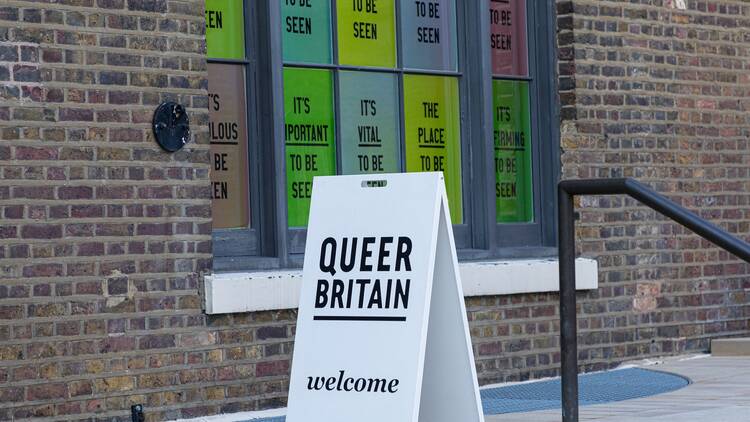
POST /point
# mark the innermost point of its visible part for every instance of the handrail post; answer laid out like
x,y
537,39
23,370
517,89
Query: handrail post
x,y
568,322
566,190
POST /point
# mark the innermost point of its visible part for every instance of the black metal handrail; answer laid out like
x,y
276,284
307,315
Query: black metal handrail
x,y
566,190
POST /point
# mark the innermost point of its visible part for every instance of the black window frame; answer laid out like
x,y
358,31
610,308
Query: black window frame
x,y
480,237
244,241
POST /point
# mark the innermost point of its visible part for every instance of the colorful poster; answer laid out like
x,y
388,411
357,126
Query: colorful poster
x,y
306,31
428,33
368,104
225,29
367,32
228,137
433,132
512,139
308,136
508,37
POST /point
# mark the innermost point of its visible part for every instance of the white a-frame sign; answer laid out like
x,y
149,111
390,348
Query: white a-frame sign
x,y
382,334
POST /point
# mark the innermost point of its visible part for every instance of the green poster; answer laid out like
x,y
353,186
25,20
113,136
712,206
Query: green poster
x,y
433,132
512,138
306,30
368,104
308,136
225,29
367,32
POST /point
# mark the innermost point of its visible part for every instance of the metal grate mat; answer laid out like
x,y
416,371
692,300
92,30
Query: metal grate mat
x,y
597,388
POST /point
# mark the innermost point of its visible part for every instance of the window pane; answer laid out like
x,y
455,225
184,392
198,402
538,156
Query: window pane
x,y
508,37
308,135
368,104
428,31
513,188
225,29
433,134
367,32
228,131
306,30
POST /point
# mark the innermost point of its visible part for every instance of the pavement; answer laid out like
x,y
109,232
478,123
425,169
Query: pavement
x,y
719,391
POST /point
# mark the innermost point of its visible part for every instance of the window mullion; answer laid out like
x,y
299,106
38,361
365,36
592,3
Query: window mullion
x,y
271,118
478,71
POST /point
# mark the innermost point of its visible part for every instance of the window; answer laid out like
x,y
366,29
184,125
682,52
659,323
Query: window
x,y
523,180
229,128
376,86
510,101
380,93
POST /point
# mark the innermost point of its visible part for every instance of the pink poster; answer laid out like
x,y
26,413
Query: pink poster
x,y
508,37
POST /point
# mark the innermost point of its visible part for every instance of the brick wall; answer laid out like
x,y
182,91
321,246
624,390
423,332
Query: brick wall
x,y
104,237
659,93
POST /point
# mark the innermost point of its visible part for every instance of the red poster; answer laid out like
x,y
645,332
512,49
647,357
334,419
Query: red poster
x,y
508,37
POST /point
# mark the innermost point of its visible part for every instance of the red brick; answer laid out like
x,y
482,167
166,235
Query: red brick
x,y
156,342
157,266
18,292
42,290
156,304
86,211
69,408
114,192
125,267
47,392
118,325
67,328
124,97
154,229
11,312
155,192
26,73
33,192
114,229
43,270
117,344
79,230
91,249
11,394
75,192
33,153
274,368
8,232
76,114
41,231
80,388
27,372
80,269
89,288
59,211
264,333
56,173
85,347
126,135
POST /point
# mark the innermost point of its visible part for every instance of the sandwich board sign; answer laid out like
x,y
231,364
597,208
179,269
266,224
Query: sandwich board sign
x,y
381,331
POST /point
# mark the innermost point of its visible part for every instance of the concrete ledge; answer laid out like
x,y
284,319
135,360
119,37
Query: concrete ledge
x,y
262,291
730,347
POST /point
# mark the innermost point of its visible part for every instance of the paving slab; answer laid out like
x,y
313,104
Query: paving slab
x,y
731,347
719,392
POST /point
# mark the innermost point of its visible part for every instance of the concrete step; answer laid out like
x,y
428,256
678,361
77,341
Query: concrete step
x,y
730,346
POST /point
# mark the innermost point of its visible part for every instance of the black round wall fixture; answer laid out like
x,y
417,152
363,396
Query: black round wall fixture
x,y
171,126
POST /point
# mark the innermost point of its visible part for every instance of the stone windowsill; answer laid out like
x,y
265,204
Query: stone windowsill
x,y
262,291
